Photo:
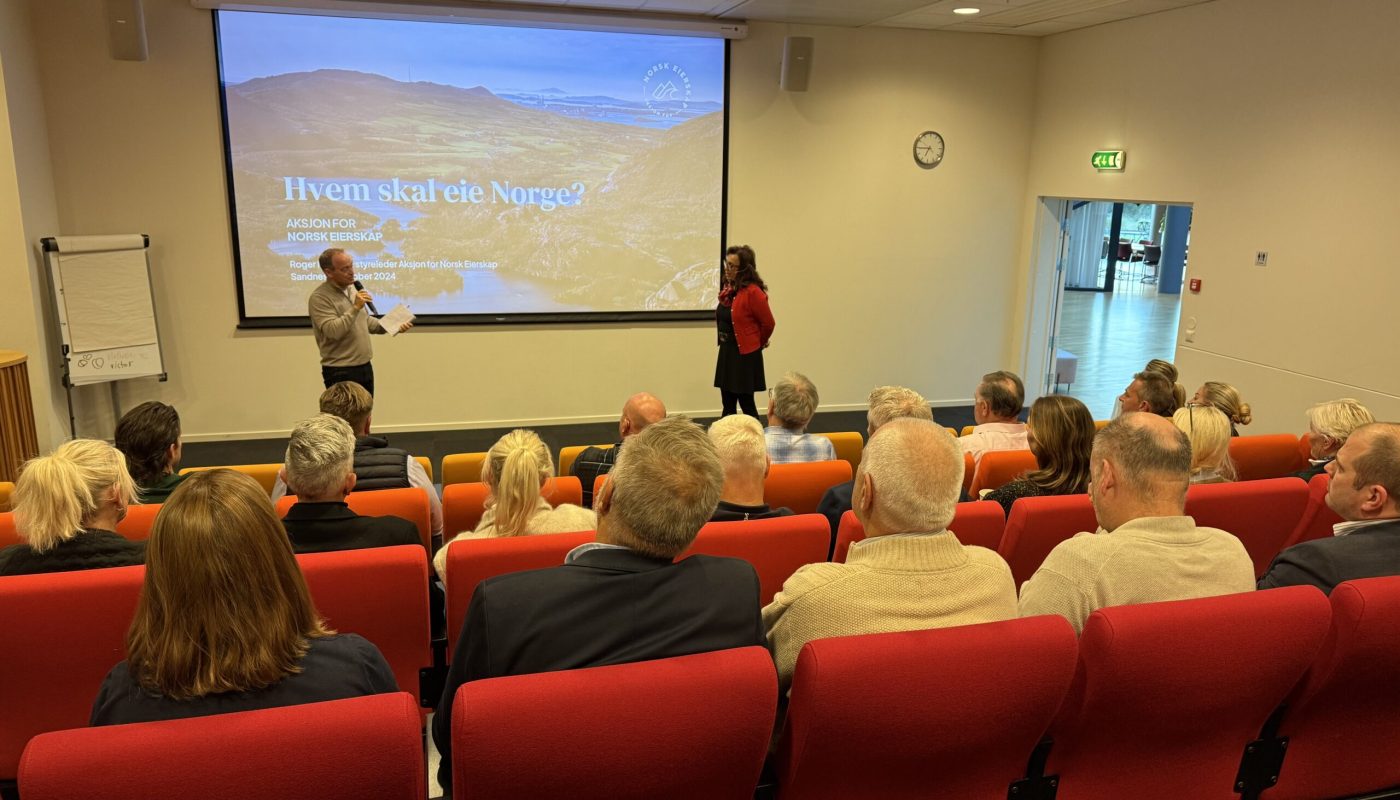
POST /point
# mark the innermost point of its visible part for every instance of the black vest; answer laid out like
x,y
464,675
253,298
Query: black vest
x,y
379,466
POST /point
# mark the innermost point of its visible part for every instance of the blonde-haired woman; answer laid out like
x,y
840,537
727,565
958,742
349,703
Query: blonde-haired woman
x,y
1226,398
66,508
225,621
1168,370
515,471
1209,431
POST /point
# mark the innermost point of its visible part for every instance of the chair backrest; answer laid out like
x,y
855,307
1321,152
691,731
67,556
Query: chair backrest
x,y
775,547
1273,455
1318,518
471,561
426,464
1036,524
381,593
462,468
1125,251
63,632
1151,253
363,748
800,486
7,488
849,445
1100,424
1343,722
955,712
969,471
689,727
1000,467
410,504
568,455
464,503
1262,514
979,523
1166,696
1304,448
264,474
135,526
967,430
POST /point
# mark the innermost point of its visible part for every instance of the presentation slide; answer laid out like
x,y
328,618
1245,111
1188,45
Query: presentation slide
x,y
473,171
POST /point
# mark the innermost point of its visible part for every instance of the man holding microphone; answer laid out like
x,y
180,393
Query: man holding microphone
x,y
341,325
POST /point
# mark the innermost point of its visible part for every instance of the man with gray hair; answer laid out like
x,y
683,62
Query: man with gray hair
x,y
623,597
739,441
996,408
1146,549
319,467
791,406
910,572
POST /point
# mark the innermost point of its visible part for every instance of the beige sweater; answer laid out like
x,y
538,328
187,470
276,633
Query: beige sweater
x,y
1142,561
567,518
901,582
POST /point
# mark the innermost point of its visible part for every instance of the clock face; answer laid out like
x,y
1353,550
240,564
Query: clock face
x,y
928,149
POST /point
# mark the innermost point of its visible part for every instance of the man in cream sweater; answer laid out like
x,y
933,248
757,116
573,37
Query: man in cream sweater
x,y
1146,549
910,573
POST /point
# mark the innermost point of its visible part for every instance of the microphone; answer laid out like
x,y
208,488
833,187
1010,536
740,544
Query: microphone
x,y
360,287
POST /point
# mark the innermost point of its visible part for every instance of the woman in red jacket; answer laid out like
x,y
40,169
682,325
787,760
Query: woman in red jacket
x,y
745,323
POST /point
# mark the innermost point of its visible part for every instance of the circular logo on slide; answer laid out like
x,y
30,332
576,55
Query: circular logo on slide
x,y
666,89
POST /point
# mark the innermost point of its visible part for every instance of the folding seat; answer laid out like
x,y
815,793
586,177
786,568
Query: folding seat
x,y
462,468
998,468
1167,696
978,523
410,504
969,472
1304,449
966,430
6,489
264,474
568,455
1262,514
953,712
1318,518
849,445
363,748
426,464
1270,456
695,726
464,503
1037,524
136,525
800,486
776,547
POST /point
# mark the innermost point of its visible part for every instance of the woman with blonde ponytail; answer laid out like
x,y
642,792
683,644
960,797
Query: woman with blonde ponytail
x,y
66,509
515,471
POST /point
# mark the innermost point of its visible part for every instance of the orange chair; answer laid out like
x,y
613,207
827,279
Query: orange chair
x,y
462,468
967,430
1037,524
136,526
1318,518
800,486
464,503
1270,456
1304,449
410,504
264,474
776,547
1100,424
951,431
998,468
848,446
969,471
1261,514
6,489
979,523
426,464
567,455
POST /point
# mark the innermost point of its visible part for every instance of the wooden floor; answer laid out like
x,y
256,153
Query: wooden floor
x,y
1115,335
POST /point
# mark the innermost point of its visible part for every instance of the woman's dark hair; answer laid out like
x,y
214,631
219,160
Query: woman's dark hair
x,y
748,267
1062,437
144,436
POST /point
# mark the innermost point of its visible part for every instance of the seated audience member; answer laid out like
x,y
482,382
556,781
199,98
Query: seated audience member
x,y
910,572
1061,434
886,403
377,465
1208,430
1226,398
225,622
319,469
515,471
1146,549
1329,425
1364,490
639,411
739,440
996,408
1150,392
66,509
149,436
1168,370
622,598
791,405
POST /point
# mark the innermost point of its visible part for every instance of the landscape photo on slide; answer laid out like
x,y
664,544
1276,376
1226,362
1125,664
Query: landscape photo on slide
x,y
474,169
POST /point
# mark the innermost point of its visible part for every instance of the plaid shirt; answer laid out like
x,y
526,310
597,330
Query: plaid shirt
x,y
786,447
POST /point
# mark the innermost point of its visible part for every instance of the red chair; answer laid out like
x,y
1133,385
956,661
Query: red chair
x,y
1270,456
1037,524
1343,721
800,486
690,727
410,504
1304,449
363,748
977,524
1167,695
954,712
135,526
1262,514
464,503
969,472
1318,518
381,593
775,547
62,633
998,468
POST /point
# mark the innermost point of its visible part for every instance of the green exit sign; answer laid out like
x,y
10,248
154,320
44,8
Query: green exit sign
x,y
1109,159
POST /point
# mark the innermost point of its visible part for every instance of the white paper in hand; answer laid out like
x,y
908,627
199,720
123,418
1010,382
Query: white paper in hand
x,y
394,321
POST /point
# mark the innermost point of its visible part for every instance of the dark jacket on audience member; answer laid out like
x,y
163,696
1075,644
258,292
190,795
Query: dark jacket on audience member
x,y
379,466
835,503
159,491
603,606
733,512
591,463
324,527
334,668
90,549
1312,470
1370,552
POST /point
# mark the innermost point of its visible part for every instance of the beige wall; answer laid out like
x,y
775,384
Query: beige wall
x,y
1277,121
878,269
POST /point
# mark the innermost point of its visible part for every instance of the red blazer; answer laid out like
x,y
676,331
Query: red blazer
x,y
753,321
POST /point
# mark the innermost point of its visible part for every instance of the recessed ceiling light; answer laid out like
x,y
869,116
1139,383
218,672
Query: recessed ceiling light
x,y
967,11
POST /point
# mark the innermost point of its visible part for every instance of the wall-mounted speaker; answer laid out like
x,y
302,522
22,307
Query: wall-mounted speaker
x,y
126,30
797,63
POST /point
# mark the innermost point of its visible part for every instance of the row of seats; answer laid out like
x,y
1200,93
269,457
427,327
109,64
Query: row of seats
x,y
266,474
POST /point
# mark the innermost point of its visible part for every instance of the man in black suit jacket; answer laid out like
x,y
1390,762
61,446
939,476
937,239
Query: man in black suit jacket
x,y
1364,489
620,598
640,410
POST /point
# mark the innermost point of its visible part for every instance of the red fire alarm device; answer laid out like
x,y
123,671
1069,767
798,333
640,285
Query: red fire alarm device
x,y
1196,284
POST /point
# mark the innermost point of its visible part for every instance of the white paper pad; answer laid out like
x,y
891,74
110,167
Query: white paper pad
x,y
395,319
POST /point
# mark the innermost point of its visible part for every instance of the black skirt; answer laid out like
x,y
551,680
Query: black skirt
x,y
734,372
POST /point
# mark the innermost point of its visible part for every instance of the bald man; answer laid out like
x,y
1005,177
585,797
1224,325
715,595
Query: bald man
x,y
1146,548
640,410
